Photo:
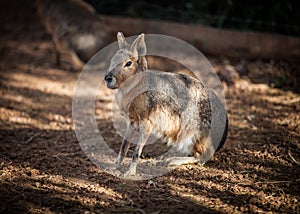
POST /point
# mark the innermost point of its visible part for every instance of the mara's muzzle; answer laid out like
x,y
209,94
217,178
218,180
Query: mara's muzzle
x,y
110,80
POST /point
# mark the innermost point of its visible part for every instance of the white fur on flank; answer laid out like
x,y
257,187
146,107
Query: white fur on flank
x,y
186,145
160,120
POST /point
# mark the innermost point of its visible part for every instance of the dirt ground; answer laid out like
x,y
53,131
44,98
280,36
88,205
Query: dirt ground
x,y
44,170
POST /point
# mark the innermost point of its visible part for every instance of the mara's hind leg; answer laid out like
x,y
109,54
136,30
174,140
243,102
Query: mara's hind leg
x,y
197,151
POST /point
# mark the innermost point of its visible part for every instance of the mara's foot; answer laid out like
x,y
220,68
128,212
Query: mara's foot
x,y
177,161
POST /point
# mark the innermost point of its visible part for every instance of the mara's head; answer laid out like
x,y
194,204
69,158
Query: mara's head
x,y
127,61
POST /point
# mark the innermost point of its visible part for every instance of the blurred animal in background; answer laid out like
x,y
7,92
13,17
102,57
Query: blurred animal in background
x,y
173,106
76,29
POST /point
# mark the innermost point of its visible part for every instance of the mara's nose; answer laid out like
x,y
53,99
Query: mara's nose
x,y
108,78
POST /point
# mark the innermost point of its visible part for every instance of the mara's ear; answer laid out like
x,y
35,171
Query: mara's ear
x,y
142,63
138,47
121,41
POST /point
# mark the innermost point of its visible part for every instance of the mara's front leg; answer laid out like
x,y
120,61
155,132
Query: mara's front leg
x,y
143,136
129,135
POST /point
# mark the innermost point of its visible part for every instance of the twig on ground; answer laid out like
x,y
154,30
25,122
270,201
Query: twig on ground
x,y
293,159
173,199
295,100
272,182
141,211
157,212
31,138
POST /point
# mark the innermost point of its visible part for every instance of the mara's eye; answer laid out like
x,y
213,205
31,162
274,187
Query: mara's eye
x,y
128,64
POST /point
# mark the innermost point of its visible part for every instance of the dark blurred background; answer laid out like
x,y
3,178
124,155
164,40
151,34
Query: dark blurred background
x,y
281,17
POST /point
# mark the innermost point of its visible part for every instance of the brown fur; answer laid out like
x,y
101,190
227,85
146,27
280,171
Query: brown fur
x,y
199,146
122,76
138,109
